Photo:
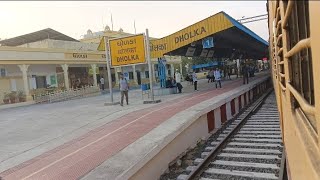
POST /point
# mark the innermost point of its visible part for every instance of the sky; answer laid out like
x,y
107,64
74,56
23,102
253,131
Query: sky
x,y
162,18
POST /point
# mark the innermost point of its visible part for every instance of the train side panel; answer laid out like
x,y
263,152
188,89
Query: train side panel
x,y
294,30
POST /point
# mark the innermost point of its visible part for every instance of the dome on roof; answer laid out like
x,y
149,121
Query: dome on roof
x,y
89,31
107,28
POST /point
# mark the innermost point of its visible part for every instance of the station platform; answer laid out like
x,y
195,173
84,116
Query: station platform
x,y
106,142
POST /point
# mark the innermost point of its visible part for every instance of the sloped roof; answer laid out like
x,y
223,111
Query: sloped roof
x,y
228,35
245,29
36,36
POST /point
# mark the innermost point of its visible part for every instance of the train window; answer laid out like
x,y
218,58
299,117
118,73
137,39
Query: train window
x,y
297,26
300,63
279,49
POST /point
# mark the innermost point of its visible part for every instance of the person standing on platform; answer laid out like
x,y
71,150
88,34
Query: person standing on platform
x,y
178,80
124,88
210,76
245,74
195,80
217,77
228,71
102,83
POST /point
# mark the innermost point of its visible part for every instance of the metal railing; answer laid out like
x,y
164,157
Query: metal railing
x,y
64,95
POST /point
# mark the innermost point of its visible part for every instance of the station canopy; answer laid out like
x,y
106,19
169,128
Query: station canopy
x,y
36,36
230,40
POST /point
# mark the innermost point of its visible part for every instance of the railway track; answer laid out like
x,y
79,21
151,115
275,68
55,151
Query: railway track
x,y
249,148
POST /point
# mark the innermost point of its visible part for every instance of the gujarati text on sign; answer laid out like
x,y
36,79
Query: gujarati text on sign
x,y
128,50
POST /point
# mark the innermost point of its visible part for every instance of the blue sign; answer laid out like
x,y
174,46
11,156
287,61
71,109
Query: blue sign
x,y
207,42
210,64
162,72
126,75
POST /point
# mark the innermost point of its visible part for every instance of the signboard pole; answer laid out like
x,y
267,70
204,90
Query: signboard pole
x,y
108,67
149,64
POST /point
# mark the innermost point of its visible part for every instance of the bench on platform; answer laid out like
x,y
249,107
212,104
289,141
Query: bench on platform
x,y
165,91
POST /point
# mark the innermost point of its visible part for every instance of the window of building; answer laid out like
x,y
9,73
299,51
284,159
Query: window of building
x,y
147,74
3,72
130,75
113,77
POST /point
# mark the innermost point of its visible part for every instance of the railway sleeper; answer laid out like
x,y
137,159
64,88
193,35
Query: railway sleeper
x,y
239,167
252,150
252,160
257,140
258,136
228,174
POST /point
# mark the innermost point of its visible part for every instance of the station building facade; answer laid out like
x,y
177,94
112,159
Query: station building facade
x,y
48,57
33,62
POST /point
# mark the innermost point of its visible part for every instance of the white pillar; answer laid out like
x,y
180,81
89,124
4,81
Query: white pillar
x,y
242,101
228,109
24,70
181,70
172,70
94,74
135,78
236,105
66,76
105,77
251,94
116,74
217,118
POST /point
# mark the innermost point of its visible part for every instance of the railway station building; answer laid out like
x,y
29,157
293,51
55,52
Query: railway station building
x,y
34,61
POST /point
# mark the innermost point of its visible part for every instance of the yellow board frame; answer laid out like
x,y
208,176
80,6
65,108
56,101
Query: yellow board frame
x,y
128,50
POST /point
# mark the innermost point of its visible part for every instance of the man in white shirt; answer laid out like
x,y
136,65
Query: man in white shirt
x,y
195,80
217,77
102,83
178,80
124,88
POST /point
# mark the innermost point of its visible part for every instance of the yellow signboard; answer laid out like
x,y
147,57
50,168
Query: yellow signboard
x,y
127,51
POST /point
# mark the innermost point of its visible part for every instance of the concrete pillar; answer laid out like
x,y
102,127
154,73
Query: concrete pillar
x,y
247,97
94,74
172,70
135,78
66,75
236,105
217,118
242,101
24,70
229,113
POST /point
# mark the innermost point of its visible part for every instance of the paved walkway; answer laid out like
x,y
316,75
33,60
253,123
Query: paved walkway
x,y
103,132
